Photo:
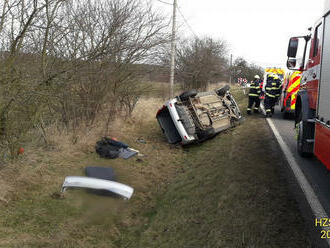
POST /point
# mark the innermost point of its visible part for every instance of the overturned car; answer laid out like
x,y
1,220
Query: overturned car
x,y
194,116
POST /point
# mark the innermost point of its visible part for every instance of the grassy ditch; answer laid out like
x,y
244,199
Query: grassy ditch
x,y
226,192
232,195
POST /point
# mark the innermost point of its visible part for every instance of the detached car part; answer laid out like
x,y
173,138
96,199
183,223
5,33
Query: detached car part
x,y
98,184
194,116
105,173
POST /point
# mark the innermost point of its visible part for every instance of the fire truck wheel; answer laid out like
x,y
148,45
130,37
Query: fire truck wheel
x,y
286,114
304,132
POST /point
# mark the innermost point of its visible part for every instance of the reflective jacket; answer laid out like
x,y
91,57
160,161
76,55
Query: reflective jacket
x,y
271,88
278,88
255,89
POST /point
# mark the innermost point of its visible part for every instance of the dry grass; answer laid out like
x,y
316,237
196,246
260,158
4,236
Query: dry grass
x,y
192,197
159,90
29,185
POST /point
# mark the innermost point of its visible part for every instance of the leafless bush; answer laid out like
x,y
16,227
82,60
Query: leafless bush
x,y
241,68
69,60
199,62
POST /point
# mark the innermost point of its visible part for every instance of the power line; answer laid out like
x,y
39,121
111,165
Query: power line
x,y
185,20
165,2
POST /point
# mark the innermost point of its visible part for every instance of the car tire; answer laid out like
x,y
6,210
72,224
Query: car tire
x,y
234,106
205,134
186,119
305,131
222,91
185,95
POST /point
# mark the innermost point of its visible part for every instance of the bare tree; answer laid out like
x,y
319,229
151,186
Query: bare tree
x,y
70,60
199,62
241,68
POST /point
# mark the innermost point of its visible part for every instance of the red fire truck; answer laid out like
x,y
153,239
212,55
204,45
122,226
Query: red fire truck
x,y
311,55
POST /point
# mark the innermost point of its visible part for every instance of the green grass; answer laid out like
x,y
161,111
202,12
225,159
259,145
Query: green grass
x,y
225,192
231,194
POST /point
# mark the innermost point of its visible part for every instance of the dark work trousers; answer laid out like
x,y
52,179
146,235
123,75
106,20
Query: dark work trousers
x,y
253,100
270,104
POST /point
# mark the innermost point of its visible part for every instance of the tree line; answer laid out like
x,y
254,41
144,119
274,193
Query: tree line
x,y
64,62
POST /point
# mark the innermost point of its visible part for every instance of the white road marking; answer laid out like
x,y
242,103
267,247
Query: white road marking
x,y
310,195
262,106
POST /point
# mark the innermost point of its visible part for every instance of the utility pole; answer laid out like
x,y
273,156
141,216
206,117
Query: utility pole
x,y
231,64
173,49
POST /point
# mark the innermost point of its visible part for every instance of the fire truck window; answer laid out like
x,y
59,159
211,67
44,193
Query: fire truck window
x,y
317,39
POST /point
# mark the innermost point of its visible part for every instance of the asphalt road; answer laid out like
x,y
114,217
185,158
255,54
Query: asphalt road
x,y
314,170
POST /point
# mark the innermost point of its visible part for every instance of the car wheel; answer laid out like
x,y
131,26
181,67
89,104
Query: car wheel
x,y
234,107
205,134
222,91
185,95
186,119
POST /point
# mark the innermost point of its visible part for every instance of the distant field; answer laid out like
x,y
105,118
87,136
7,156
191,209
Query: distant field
x,y
225,192
158,90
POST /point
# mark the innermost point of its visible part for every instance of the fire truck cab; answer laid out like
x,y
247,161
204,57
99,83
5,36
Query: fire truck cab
x,y
310,54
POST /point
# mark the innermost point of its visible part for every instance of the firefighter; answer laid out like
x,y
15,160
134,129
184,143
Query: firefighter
x,y
254,95
270,95
278,89
262,94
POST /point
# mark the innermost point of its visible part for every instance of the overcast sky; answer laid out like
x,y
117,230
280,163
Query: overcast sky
x,y
257,30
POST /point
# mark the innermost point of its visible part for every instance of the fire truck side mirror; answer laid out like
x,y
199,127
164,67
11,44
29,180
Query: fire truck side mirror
x,y
291,63
293,47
